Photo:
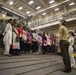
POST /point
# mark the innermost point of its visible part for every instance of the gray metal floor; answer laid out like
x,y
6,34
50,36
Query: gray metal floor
x,y
30,64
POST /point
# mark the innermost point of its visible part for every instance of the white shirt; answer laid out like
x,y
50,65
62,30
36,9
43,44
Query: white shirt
x,y
71,41
8,34
48,40
8,27
35,35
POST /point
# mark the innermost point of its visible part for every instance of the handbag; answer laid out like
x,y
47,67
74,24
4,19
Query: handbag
x,y
17,39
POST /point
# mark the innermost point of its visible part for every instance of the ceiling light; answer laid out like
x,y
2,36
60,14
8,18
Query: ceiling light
x,y
20,8
52,1
27,12
31,2
38,7
11,3
71,3
56,9
67,0
44,14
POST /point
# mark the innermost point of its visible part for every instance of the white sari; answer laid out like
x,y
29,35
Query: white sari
x,y
7,38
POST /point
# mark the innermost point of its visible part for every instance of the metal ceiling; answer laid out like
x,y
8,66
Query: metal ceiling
x,y
44,4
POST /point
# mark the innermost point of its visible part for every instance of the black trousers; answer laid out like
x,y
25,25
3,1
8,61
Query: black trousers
x,y
14,51
44,49
48,48
52,50
1,41
21,44
28,47
34,47
65,54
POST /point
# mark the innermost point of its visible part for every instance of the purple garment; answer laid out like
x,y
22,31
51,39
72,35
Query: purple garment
x,y
29,37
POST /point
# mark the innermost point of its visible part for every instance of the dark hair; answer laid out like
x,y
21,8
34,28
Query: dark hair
x,y
71,32
75,31
10,20
14,20
63,21
44,33
35,30
20,24
1,20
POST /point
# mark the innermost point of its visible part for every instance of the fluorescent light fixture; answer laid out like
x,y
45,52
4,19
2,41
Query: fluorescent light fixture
x,y
67,0
71,3
38,7
52,1
27,12
31,2
13,11
11,3
55,5
44,14
20,8
56,9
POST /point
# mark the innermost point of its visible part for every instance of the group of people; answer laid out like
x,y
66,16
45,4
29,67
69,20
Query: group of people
x,y
20,39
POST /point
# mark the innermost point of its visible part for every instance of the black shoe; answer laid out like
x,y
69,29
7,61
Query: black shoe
x,y
64,70
9,55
